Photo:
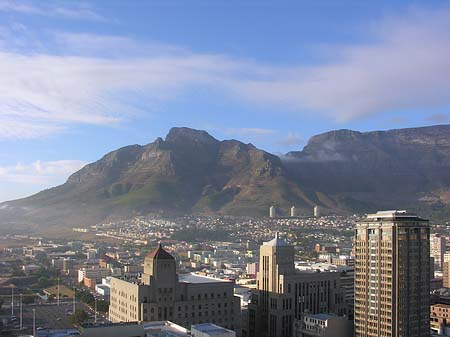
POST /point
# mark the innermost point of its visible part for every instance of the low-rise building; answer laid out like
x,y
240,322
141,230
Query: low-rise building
x,y
93,273
440,319
324,325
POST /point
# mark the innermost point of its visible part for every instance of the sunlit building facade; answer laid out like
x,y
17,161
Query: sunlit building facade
x,y
392,276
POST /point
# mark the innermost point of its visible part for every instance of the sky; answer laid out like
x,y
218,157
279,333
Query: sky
x,y
79,79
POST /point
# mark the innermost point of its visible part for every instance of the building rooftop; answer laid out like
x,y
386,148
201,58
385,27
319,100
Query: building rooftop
x,y
160,253
58,333
322,317
444,292
392,215
441,305
194,278
276,242
209,328
109,324
164,329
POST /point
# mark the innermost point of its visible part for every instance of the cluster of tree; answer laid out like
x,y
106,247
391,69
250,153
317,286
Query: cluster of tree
x,y
47,277
85,296
79,316
16,272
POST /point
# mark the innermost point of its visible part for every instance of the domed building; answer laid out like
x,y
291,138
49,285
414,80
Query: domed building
x,y
185,299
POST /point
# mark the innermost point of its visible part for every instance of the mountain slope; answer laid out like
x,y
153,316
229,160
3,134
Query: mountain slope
x,y
188,171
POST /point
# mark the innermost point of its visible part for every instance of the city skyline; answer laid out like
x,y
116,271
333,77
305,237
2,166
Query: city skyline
x,y
81,79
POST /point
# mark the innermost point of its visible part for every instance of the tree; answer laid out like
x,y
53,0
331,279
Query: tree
x,y
17,272
102,306
28,299
79,316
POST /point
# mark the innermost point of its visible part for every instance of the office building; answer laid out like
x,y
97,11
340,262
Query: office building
x,y
161,294
437,250
284,294
392,275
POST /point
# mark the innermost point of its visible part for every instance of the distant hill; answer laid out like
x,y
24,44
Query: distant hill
x,y
190,171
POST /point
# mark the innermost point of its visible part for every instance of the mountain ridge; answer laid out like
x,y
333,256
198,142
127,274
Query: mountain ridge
x,y
191,171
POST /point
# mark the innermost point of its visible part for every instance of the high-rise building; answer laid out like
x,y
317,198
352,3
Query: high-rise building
x,y
392,275
446,257
284,294
446,274
437,250
317,211
293,212
162,294
272,212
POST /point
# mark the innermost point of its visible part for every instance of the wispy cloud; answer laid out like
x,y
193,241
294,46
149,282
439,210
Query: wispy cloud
x,y
292,139
21,180
406,67
26,129
249,132
101,80
74,10
438,118
40,172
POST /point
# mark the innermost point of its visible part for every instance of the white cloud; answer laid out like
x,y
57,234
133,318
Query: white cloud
x,y
76,10
55,91
292,139
23,129
406,67
21,180
102,80
46,173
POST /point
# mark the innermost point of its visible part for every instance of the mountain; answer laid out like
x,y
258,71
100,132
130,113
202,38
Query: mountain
x,y
404,168
190,171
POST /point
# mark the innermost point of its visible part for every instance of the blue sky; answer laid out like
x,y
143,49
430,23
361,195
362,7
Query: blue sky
x,y
79,79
